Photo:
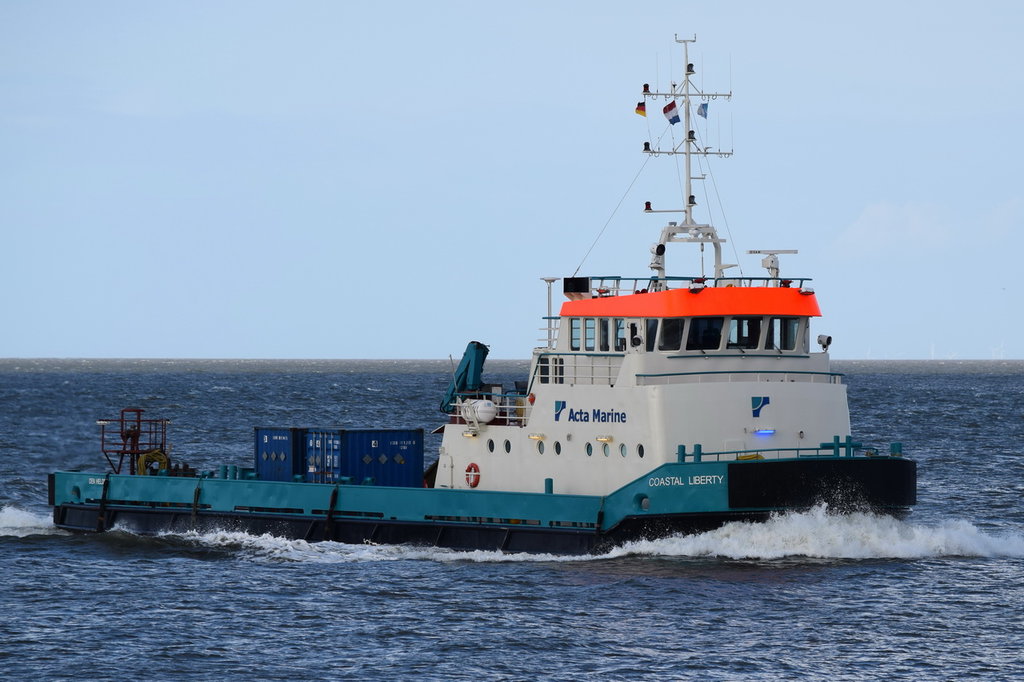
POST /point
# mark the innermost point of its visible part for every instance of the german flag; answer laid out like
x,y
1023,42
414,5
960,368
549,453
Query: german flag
x,y
641,108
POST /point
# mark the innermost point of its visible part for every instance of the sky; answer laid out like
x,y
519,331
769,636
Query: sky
x,y
392,180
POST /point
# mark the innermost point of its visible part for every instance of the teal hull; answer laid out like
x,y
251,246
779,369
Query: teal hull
x,y
674,498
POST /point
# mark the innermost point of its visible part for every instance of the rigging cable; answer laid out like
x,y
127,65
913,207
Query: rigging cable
x,y
618,205
701,161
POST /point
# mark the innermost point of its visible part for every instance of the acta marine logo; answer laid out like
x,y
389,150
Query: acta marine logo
x,y
595,415
758,403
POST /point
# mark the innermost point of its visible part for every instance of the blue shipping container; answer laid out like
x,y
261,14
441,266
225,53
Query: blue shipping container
x,y
390,457
321,454
278,453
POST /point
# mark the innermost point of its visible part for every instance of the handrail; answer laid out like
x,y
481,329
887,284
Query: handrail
x,y
615,285
696,377
512,409
743,371
595,368
837,448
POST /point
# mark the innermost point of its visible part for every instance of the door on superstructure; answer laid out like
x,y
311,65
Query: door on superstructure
x,y
445,467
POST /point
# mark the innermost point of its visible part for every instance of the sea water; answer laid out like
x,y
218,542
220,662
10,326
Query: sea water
x,y
939,595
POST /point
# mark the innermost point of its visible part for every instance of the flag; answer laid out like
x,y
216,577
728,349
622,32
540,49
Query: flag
x,y
671,113
641,108
702,109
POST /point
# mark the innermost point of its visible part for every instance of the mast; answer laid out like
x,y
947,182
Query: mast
x,y
690,230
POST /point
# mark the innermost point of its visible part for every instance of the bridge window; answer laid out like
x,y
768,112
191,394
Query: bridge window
x,y
557,370
652,334
744,332
671,333
551,370
589,333
705,333
603,333
574,333
620,334
783,333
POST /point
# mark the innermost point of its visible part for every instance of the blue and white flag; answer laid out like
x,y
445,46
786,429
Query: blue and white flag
x,y
702,109
671,113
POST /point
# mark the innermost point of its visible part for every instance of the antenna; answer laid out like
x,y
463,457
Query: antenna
x,y
689,230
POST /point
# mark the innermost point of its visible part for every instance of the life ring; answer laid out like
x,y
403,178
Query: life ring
x,y
473,475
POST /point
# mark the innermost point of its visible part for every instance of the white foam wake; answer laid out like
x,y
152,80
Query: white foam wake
x,y
812,534
819,534
273,548
19,523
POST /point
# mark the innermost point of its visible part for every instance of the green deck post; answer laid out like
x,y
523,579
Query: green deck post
x,y
833,446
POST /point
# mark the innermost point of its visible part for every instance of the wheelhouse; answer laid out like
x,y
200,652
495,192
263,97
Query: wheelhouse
x,y
697,319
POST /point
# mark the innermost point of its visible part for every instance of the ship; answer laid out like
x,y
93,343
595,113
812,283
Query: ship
x,y
656,405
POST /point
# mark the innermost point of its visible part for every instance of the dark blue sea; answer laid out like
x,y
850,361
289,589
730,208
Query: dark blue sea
x,y
939,595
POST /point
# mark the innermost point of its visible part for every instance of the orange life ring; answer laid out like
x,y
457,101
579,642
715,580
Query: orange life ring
x,y
473,475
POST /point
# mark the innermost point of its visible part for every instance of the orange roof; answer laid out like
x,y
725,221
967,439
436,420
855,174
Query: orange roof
x,y
781,301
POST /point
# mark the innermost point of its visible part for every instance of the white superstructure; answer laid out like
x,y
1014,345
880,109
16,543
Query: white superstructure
x,y
653,370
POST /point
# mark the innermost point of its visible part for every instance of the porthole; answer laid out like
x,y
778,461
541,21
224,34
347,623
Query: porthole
x,y
540,447
622,449
590,449
508,446
490,445
558,448
640,450
607,449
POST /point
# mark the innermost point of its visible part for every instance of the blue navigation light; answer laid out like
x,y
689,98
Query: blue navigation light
x,y
764,432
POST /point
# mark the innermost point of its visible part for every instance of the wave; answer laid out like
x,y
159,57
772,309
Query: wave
x,y
18,523
815,534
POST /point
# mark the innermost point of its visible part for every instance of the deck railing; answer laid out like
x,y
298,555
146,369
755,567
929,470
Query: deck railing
x,y
512,409
618,286
732,376
589,369
837,448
